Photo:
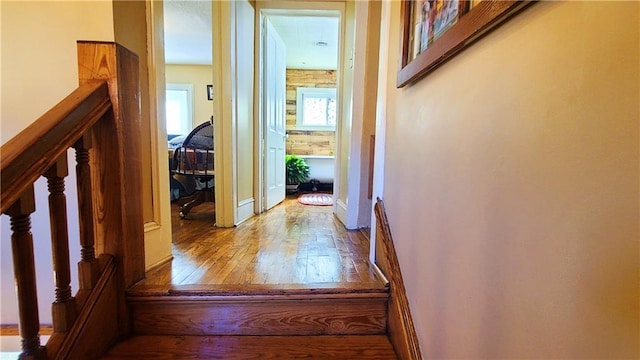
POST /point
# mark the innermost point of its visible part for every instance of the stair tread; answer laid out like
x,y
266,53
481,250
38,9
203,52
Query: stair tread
x,y
254,347
256,289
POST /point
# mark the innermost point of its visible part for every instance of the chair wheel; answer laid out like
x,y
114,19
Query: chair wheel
x,y
182,215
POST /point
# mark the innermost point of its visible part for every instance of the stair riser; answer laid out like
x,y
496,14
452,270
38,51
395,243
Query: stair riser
x,y
360,316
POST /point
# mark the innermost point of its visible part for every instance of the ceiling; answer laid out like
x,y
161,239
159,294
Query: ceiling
x,y
187,27
302,35
187,32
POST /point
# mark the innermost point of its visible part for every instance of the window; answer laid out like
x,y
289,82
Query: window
x,y
179,108
316,109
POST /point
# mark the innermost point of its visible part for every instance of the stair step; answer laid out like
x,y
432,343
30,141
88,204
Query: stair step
x,y
259,313
254,347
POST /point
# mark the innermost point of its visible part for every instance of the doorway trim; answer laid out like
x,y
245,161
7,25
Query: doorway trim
x,y
303,8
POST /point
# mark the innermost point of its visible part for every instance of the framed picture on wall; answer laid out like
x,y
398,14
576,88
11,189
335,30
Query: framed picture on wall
x,y
434,31
210,92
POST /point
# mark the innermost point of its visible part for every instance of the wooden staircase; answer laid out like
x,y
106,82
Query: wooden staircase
x,y
258,324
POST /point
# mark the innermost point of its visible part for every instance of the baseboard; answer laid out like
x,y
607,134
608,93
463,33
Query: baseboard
x,y
245,210
159,263
380,274
400,329
341,210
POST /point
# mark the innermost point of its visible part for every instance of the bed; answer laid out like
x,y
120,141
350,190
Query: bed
x,y
191,166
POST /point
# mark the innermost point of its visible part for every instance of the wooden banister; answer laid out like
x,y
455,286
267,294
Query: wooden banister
x,y
101,120
40,145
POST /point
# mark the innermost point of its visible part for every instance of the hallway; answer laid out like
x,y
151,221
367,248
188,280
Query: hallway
x,y
291,247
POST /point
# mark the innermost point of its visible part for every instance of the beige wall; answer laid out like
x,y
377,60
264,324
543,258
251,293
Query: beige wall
x,y
307,142
511,185
39,68
199,76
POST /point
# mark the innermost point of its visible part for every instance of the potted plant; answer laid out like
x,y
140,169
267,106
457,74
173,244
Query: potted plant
x,y
297,172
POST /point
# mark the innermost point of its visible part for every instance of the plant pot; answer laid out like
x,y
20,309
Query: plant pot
x,y
291,188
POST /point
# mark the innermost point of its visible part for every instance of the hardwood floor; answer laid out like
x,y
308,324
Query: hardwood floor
x,y
290,283
292,247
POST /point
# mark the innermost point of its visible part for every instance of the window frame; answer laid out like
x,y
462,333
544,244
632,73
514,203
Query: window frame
x,y
300,94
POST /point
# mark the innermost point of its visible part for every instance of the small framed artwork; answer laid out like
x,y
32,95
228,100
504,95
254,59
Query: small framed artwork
x,y
210,92
434,31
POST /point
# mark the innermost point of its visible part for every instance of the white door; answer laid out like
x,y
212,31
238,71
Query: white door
x,y
274,116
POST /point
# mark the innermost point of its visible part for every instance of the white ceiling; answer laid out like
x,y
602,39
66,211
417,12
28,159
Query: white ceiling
x,y
301,34
187,32
187,36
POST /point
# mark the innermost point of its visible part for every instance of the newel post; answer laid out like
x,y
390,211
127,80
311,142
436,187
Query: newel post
x,y
116,161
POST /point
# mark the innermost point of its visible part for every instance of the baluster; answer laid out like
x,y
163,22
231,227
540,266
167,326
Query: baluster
x,y
64,306
88,270
25,275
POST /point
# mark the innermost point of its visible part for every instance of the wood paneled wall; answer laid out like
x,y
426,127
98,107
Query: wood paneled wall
x,y
308,142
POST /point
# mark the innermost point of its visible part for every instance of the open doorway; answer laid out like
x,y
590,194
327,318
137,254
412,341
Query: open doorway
x,y
189,78
298,98
261,245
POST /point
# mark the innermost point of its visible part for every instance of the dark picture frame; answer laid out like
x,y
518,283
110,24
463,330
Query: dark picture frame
x,y
458,25
209,92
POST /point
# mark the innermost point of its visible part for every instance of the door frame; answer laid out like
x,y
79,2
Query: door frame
x,y
290,8
231,108
157,231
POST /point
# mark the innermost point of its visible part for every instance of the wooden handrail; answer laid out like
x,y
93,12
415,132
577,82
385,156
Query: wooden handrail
x,y
39,146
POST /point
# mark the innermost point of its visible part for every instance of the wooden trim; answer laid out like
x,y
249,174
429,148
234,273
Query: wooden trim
x,y
400,329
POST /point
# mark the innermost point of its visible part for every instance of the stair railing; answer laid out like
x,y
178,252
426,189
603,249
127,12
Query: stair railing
x,y
101,121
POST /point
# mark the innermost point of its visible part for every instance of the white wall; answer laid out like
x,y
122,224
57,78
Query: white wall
x,y
512,187
39,68
365,77
343,129
244,110
233,65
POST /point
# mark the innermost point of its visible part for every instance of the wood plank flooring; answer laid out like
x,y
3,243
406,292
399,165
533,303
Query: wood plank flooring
x,y
292,247
254,347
